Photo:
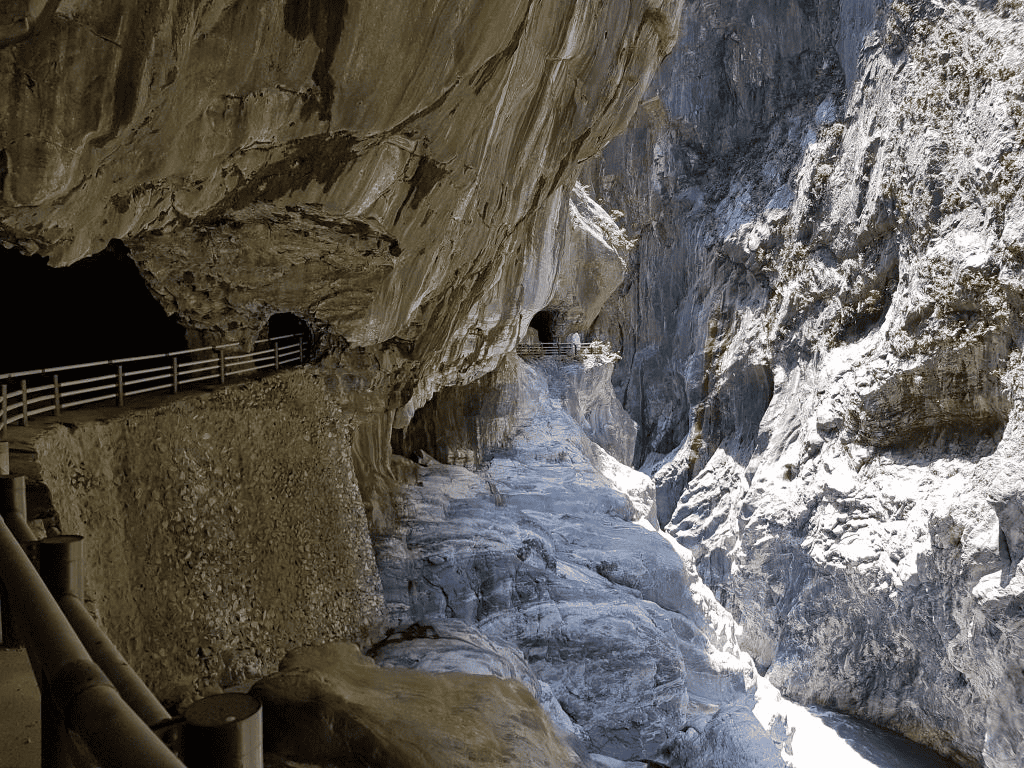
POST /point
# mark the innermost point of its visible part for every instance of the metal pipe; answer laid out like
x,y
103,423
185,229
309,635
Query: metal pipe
x,y
87,701
54,749
127,682
13,511
24,403
8,637
61,564
112,734
224,731
14,508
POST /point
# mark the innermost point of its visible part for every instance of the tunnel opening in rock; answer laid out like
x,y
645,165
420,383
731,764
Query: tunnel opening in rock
x,y
96,309
544,323
288,324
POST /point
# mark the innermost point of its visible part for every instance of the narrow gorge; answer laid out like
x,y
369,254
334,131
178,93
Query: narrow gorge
x,y
781,467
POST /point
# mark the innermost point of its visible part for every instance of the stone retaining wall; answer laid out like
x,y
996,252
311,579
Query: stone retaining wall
x,y
221,530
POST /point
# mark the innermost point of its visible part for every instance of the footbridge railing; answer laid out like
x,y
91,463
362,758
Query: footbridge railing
x,y
25,394
562,349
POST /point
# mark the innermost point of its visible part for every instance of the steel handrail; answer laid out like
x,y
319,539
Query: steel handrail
x,y
15,405
86,700
561,348
229,345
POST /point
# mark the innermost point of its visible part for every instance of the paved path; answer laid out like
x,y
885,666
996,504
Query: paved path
x,y
19,711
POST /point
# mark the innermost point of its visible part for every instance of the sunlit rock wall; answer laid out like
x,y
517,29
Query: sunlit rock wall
x,y
547,547
221,530
820,332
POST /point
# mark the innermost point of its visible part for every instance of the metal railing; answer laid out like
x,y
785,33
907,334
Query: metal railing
x,y
25,394
95,711
562,349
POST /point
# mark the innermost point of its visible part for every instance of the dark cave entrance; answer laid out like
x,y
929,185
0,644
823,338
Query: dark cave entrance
x,y
544,323
98,308
288,324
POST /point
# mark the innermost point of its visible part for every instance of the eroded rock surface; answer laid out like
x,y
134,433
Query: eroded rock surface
x,y
536,548
731,736
819,334
399,176
221,529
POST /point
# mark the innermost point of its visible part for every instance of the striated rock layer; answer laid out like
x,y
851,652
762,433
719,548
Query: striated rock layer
x,y
821,332
398,175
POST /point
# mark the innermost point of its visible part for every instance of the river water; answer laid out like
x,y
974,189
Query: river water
x,y
823,739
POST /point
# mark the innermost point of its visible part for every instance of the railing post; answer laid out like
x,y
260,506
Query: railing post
x,y
302,350
224,731
7,638
24,403
120,385
3,410
223,368
14,511
14,505
56,395
277,355
174,374
61,565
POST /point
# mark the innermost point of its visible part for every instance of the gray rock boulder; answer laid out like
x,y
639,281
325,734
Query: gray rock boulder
x,y
729,738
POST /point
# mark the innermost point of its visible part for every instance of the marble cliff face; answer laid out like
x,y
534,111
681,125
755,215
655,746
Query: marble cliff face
x,y
819,314
394,174
820,332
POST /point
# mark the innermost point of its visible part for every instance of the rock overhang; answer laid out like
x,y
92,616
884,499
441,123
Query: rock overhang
x,y
389,177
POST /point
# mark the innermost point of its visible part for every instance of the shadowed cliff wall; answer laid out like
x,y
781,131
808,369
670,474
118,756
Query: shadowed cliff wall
x,y
396,174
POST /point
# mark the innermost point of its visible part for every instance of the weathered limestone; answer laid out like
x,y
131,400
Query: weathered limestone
x,y
820,328
589,265
818,340
398,176
536,548
449,645
729,737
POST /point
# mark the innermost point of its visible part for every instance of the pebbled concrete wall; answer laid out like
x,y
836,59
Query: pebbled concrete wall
x,y
222,529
